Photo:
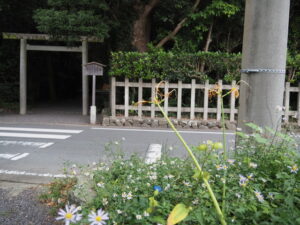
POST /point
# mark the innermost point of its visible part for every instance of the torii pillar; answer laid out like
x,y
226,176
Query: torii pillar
x,y
23,76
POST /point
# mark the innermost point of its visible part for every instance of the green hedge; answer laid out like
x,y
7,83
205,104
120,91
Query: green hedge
x,y
184,66
170,66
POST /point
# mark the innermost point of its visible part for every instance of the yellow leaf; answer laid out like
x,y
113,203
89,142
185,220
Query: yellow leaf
x,y
179,213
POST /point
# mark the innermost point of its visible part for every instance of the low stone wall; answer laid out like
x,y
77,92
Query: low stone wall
x,y
162,123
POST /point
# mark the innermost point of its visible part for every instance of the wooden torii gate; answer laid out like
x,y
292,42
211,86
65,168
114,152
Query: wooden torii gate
x,y
24,47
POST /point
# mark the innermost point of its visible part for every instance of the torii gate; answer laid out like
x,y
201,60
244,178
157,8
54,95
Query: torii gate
x,y
24,47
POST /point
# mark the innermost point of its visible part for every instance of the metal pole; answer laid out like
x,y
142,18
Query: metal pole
x,y
85,87
93,108
263,62
23,76
94,91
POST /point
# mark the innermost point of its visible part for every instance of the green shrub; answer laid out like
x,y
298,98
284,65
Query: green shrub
x,y
185,66
175,66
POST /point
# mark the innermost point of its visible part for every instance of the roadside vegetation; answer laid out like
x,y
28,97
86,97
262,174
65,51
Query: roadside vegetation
x,y
257,182
262,184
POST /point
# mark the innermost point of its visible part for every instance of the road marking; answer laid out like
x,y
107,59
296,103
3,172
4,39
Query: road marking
x,y
8,156
33,135
15,172
41,130
153,153
47,145
20,156
161,131
27,143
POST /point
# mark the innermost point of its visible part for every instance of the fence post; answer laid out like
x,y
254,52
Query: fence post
x,y
219,102
113,96
232,101
298,111
152,98
193,90
179,100
205,107
126,101
166,105
140,97
287,102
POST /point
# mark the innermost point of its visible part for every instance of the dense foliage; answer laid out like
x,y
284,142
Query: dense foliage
x,y
263,182
70,19
185,66
175,66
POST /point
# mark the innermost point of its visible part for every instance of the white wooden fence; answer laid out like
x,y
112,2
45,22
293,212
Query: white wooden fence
x,y
295,114
193,86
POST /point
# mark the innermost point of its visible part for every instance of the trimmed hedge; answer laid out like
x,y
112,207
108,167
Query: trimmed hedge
x,y
170,66
184,66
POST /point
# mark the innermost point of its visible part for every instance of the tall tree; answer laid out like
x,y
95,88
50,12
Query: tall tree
x,y
142,25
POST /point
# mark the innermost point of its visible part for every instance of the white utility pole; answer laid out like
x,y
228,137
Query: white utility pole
x,y
263,62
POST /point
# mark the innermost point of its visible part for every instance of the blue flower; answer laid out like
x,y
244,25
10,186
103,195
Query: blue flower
x,y
157,188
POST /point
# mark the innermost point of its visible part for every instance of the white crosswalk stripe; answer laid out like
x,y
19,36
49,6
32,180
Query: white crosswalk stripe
x,y
33,135
41,130
30,133
26,143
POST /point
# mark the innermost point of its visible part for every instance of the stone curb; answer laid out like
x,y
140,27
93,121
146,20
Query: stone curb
x,y
162,123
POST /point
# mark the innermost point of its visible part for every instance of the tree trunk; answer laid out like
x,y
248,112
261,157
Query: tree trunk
x,y
141,27
206,47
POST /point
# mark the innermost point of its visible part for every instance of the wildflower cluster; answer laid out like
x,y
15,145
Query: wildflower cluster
x,y
263,180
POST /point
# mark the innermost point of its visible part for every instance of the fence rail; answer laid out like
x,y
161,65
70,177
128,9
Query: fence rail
x,y
205,110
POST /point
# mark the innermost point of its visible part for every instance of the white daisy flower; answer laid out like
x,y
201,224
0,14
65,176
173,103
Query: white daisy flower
x,y
294,168
146,214
195,202
259,196
219,167
124,195
252,165
231,161
100,184
250,176
119,211
115,195
129,196
98,218
187,184
70,215
167,187
243,181
105,201
138,217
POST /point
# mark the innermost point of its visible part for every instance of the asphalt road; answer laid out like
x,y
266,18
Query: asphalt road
x,y
31,151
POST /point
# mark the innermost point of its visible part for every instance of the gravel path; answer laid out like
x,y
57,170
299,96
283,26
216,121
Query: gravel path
x,y
19,205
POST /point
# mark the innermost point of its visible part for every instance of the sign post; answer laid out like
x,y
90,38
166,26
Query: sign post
x,y
93,69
